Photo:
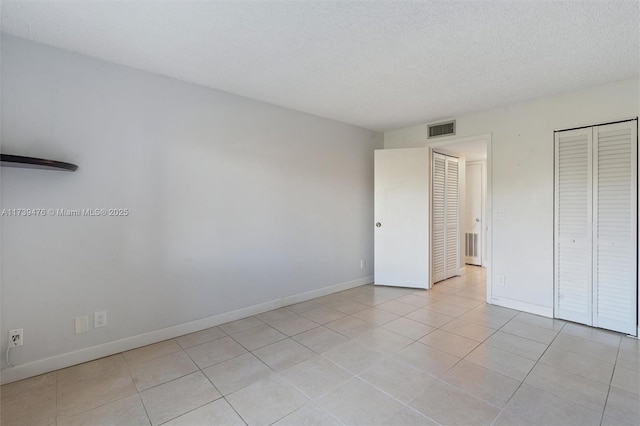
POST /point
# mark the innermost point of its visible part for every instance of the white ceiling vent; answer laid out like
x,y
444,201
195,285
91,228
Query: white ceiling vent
x,y
442,129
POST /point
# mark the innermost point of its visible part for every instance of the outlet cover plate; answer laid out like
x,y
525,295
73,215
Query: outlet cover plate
x,y
99,319
82,324
20,341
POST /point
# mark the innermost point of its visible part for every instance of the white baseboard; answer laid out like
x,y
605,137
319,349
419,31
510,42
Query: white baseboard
x,y
544,311
303,297
57,362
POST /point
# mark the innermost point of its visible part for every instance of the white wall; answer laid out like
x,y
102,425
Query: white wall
x,y
522,180
233,203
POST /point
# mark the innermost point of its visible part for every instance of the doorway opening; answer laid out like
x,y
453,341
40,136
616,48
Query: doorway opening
x,y
474,206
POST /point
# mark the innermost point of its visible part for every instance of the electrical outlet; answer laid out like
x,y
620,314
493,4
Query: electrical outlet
x,y
501,214
16,338
82,324
362,263
99,319
501,280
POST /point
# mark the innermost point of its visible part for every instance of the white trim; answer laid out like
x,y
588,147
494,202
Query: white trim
x,y
545,311
604,123
303,297
68,359
489,217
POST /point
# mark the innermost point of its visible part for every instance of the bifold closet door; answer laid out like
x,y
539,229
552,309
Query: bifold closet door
x,y
445,217
596,226
438,188
573,254
452,220
615,226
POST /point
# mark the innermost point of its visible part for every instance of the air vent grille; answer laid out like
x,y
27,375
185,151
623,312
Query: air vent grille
x,y
471,245
442,129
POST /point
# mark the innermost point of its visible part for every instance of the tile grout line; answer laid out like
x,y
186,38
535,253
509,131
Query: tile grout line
x,y
606,400
144,407
56,419
527,375
560,396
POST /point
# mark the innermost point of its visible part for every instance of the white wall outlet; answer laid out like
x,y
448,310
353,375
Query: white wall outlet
x,y
16,337
363,263
501,214
501,280
99,319
82,324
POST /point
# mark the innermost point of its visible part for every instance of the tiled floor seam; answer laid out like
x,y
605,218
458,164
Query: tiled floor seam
x,y
357,376
56,418
96,407
605,403
434,377
100,405
606,400
561,396
525,377
185,413
234,409
144,407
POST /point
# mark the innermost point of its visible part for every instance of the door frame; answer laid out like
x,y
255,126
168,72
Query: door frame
x,y
441,144
483,204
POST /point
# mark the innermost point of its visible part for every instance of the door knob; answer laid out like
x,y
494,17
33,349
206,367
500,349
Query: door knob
x,y
378,224
477,219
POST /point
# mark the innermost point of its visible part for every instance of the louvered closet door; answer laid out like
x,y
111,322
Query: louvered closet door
x,y
451,218
438,180
573,249
614,230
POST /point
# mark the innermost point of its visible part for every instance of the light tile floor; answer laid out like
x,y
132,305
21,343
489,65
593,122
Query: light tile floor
x,y
366,356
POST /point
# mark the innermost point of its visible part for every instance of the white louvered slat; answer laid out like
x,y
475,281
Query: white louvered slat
x,y
615,227
573,295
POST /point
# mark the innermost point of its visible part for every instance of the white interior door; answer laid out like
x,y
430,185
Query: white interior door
x,y
615,226
438,200
445,217
401,217
452,215
573,201
474,179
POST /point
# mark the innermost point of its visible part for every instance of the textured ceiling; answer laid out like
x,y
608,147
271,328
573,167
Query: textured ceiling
x,y
380,65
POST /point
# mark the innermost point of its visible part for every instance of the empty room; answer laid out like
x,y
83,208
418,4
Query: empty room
x,y
319,212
